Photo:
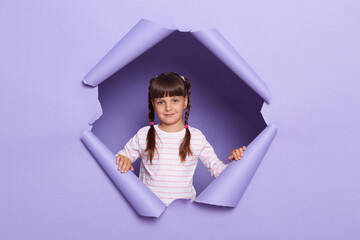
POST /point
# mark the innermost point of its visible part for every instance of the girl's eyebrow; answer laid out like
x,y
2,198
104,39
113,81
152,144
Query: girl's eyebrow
x,y
164,98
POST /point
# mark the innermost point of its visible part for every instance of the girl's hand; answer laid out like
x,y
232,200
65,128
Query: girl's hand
x,y
237,154
124,163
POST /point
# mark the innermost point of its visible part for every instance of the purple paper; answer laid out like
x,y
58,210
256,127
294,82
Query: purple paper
x,y
140,38
144,201
218,45
307,52
227,189
237,178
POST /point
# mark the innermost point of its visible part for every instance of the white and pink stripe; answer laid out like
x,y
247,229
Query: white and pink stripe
x,y
167,176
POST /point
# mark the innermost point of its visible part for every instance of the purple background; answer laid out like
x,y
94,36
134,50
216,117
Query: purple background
x,y
307,186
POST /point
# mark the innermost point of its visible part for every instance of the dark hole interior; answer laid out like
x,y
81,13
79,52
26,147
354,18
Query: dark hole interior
x,y
223,107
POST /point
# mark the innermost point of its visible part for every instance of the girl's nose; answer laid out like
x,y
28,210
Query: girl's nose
x,y
167,106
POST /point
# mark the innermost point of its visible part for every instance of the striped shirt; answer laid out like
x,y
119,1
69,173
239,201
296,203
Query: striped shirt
x,y
167,177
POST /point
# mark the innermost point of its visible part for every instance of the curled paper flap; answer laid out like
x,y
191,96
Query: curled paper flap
x,y
221,48
227,189
140,38
144,201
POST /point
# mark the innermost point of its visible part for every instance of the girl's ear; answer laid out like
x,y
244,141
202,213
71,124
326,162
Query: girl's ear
x,y
185,102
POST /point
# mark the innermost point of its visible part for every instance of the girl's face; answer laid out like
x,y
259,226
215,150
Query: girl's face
x,y
170,109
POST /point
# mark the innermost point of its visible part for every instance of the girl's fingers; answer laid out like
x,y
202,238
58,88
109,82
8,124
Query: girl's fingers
x,y
123,166
121,162
127,166
123,169
238,154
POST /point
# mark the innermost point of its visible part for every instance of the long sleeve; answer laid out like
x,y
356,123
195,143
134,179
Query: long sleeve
x,y
210,160
132,148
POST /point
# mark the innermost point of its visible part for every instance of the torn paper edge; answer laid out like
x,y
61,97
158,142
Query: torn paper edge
x,y
143,200
220,47
227,189
144,35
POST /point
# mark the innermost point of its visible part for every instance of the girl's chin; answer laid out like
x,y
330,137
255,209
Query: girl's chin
x,y
168,121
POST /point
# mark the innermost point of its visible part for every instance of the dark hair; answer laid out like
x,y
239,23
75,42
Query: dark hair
x,y
168,84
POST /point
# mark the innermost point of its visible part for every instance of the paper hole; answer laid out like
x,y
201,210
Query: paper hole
x,y
223,107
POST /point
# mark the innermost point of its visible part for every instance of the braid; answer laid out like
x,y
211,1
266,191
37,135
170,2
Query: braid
x,y
188,103
151,114
150,139
185,144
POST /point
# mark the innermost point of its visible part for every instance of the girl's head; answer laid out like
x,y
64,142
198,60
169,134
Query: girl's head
x,y
169,95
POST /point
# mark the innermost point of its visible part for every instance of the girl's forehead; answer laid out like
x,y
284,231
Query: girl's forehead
x,y
170,97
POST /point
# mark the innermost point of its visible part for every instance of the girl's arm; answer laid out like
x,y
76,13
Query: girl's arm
x,y
128,155
210,160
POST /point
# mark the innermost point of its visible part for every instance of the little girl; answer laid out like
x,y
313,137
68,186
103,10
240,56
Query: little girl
x,y
170,150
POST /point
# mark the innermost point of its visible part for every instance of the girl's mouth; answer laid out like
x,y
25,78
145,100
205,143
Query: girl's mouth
x,y
169,115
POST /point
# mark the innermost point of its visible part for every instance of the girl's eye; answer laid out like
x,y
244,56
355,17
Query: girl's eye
x,y
175,100
161,102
